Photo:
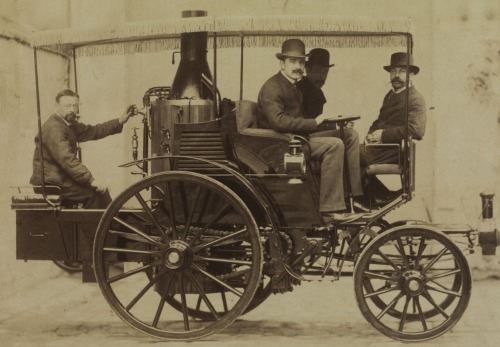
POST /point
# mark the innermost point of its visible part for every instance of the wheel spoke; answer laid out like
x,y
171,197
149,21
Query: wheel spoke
x,y
434,260
215,279
214,219
445,274
151,216
133,272
171,210
130,251
390,305
135,230
403,316
380,292
184,303
387,260
145,289
444,291
374,275
420,312
224,301
191,214
429,298
222,239
162,302
203,296
421,248
401,251
225,261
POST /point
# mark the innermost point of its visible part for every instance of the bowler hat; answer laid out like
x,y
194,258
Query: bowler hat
x,y
399,59
319,56
292,48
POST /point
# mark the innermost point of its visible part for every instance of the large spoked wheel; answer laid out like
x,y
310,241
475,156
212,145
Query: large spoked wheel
x,y
412,283
190,252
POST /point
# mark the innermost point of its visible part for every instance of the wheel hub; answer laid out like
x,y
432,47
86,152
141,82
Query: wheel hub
x,y
178,255
413,282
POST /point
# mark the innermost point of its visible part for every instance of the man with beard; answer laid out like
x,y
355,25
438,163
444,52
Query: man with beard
x,y
280,104
390,124
62,167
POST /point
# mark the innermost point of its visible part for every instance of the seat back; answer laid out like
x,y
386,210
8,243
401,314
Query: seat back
x,y
395,169
246,115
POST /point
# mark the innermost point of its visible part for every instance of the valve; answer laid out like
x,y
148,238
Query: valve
x,y
135,144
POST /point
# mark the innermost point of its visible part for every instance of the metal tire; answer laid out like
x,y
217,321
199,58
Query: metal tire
x,y
418,265
223,256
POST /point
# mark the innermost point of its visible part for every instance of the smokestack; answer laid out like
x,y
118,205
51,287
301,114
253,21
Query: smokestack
x,y
188,79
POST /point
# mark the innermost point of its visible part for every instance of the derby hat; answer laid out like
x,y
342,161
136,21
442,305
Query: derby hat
x,y
292,48
399,59
319,56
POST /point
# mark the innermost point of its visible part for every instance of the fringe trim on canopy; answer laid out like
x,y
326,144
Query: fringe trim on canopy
x,y
159,45
229,29
311,23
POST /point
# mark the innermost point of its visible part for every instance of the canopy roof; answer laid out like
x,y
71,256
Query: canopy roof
x,y
261,31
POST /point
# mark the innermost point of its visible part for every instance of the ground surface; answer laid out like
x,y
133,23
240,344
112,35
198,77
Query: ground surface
x,y
61,311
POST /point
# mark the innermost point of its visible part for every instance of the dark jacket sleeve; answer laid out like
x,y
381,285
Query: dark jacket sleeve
x,y
56,142
86,132
416,122
272,99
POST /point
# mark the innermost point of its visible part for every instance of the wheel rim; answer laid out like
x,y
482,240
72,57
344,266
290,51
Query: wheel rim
x,y
412,283
184,240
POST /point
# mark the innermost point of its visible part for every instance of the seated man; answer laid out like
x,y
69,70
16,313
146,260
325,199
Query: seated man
x,y
390,124
280,103
62,167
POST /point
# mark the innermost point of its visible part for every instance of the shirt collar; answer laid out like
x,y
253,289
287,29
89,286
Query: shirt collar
x,y
64,120
288,78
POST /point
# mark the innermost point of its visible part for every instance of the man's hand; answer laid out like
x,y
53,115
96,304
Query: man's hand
x,y
131,110
320,119
374,137
99,187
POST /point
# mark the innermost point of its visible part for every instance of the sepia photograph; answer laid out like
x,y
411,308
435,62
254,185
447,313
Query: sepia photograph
x,y
234,172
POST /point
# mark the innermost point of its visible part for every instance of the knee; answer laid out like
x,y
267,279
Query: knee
x,y
352,137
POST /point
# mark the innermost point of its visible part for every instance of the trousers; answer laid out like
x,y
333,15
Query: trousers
x,y
86,195
327,148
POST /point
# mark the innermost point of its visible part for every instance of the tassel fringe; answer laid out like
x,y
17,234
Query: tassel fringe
x,y
267,31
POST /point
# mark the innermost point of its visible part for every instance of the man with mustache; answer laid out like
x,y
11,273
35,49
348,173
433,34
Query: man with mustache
x,y
390,124
62,167
280,104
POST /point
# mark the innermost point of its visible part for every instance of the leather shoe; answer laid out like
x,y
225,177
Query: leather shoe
x,y
384,199
334,217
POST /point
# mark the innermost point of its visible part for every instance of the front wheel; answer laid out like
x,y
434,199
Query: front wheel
x,y
412,283
191,254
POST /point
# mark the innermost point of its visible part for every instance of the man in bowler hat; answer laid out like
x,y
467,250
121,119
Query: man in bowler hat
x,y
389,127
280,104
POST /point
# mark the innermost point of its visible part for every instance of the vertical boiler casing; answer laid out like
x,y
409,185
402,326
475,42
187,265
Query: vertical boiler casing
x,y
191,96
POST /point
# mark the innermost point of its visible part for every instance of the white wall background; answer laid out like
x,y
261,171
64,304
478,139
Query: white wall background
x,y
456,47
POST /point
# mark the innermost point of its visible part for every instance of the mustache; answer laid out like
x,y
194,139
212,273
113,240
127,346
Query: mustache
x,y
397,79
300,71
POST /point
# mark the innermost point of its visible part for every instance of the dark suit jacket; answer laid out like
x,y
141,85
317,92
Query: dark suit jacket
x,y
392,116
61,165
313,98
281,109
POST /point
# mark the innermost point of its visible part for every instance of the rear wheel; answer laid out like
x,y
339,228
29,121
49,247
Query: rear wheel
x,y
190,248
412,283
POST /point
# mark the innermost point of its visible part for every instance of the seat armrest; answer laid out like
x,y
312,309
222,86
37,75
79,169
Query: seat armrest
x,y
268,133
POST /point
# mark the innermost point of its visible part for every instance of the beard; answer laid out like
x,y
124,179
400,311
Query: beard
x,y
70,117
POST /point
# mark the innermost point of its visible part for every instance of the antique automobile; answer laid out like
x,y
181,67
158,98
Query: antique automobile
x,y
224,214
